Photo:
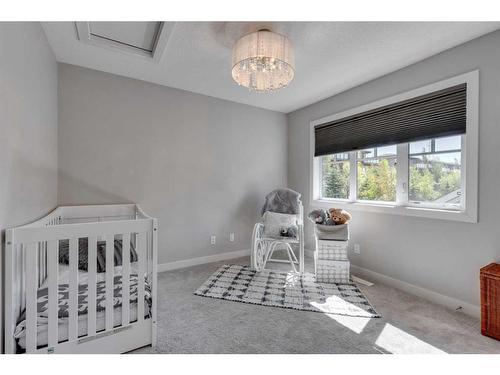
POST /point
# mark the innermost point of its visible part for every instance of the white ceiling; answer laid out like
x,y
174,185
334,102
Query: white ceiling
x,y
330,57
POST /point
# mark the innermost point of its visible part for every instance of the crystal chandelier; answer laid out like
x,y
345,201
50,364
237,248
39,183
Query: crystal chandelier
x,y
263,61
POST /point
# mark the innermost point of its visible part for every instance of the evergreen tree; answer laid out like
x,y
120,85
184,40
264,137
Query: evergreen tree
x,y
337,181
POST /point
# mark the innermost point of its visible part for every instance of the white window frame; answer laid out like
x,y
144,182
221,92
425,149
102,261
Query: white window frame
x,y
469,162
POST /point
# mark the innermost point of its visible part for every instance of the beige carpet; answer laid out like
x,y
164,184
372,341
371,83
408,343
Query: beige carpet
x,y
192,324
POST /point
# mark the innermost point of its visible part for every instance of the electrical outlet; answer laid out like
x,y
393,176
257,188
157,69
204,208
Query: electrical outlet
x,y
212,240
231,237
357,249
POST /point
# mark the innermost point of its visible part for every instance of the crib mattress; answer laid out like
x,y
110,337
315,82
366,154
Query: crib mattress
x,y
63,321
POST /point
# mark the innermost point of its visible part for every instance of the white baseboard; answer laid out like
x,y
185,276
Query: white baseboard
x,y
359,280
162,267
429,295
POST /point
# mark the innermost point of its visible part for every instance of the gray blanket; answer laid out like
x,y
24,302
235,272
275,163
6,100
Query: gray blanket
x,y
283,201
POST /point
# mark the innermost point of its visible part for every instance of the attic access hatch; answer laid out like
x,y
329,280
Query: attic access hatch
x,y
145,39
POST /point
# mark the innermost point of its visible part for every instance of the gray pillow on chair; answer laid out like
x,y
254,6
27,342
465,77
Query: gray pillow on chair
x,y
278,225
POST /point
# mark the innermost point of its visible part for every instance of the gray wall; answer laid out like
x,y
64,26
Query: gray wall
x,y
441,256
200,165
28,126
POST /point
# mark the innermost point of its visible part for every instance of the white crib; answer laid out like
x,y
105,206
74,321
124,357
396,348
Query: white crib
x,y
117,322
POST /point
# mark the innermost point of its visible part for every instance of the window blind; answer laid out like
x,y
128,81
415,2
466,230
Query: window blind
x,y
437,114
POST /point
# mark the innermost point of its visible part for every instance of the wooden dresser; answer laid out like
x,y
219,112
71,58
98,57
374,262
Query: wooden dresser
x,y
490,300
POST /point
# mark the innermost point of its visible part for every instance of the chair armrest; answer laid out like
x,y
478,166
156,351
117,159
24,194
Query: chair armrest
x,y
258,230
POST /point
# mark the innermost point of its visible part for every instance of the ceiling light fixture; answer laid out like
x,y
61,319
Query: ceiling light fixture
x,y
263,61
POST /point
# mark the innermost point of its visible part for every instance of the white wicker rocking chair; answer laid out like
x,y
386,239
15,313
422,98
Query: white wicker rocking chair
x,y
263,247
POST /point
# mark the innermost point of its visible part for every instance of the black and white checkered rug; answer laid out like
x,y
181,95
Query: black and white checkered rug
x,y
287,290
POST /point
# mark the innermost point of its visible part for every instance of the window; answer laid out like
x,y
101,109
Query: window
x,y
412,154
335,171
376,180
433,170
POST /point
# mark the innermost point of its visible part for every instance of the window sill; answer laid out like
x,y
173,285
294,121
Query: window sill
x,y
387,208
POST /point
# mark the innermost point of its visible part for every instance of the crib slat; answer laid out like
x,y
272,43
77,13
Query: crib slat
x,y
141,253
154,281
126,279
73,289
44,263
92,265
53,259
110,257
11,278
31,297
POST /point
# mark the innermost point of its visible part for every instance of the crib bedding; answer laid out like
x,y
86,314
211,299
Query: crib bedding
x,y
63,326
101,253
63,291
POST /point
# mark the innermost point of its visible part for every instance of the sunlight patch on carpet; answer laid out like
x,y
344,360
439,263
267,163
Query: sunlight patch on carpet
x,y
354,323
397,341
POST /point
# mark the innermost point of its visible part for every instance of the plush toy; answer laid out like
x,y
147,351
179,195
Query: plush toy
x,y
318,216
289,232
339,216
329,221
